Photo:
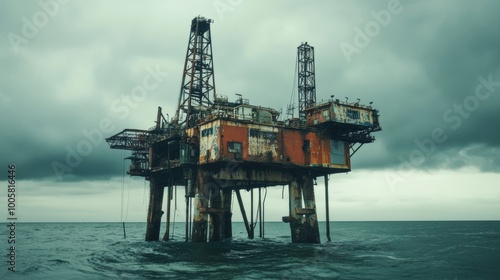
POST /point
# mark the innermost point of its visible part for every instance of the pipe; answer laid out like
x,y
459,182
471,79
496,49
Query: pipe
x,y
327,210
251,235
263,213
187,217
260,213
169,202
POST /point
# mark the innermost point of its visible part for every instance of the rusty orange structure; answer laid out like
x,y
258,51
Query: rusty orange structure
x,y
214,147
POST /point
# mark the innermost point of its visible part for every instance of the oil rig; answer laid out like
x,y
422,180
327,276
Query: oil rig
x,y
214,147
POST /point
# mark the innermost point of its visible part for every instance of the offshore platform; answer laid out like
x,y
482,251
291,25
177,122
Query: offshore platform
x,y
214,147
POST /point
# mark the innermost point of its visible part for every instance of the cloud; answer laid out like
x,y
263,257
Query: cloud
x,y
426,60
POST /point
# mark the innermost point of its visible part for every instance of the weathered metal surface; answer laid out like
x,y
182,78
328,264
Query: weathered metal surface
x,y
200,219
210,141
215,212
212,205
309,232
302,218
223,140
263,143
351,116
154,211
244,214
249,176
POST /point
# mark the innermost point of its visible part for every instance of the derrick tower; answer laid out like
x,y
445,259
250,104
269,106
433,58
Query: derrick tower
x,y
198,80
306,79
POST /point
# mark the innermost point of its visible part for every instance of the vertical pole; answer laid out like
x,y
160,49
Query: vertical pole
x,y
174,190
327,210
260,213
251,235
169,202
190,220
263,214
154,211
187,218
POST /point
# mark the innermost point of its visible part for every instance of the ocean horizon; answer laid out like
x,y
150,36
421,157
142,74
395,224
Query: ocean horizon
x,y
358,250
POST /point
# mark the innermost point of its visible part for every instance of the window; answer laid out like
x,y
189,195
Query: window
x,y
207,131
234,147
337,152
352,114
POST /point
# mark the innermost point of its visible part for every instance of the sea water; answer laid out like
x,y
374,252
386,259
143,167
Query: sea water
x,y
358,250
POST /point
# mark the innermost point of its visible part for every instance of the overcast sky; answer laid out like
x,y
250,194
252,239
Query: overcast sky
x,y
432,68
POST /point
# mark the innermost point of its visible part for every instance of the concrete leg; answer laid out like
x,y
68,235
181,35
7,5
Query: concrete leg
x,y
154,211
303,219
200,216
215,215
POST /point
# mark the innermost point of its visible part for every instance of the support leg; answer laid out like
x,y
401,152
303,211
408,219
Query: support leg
x,y
227,230
327,210
264,215
243,213
200,218
303,219
154,211
166,236
215,211
260,213
252,226
187,218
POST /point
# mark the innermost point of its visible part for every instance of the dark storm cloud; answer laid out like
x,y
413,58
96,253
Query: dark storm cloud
x,y
427,59
60,87
451,52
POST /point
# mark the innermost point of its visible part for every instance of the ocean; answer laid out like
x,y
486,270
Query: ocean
x,y
358,250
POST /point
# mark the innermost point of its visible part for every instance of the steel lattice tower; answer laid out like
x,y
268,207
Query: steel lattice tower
x,y
198,80
306,79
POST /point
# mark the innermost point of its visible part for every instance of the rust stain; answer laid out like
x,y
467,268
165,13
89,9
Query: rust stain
x,y
340,113
225,140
